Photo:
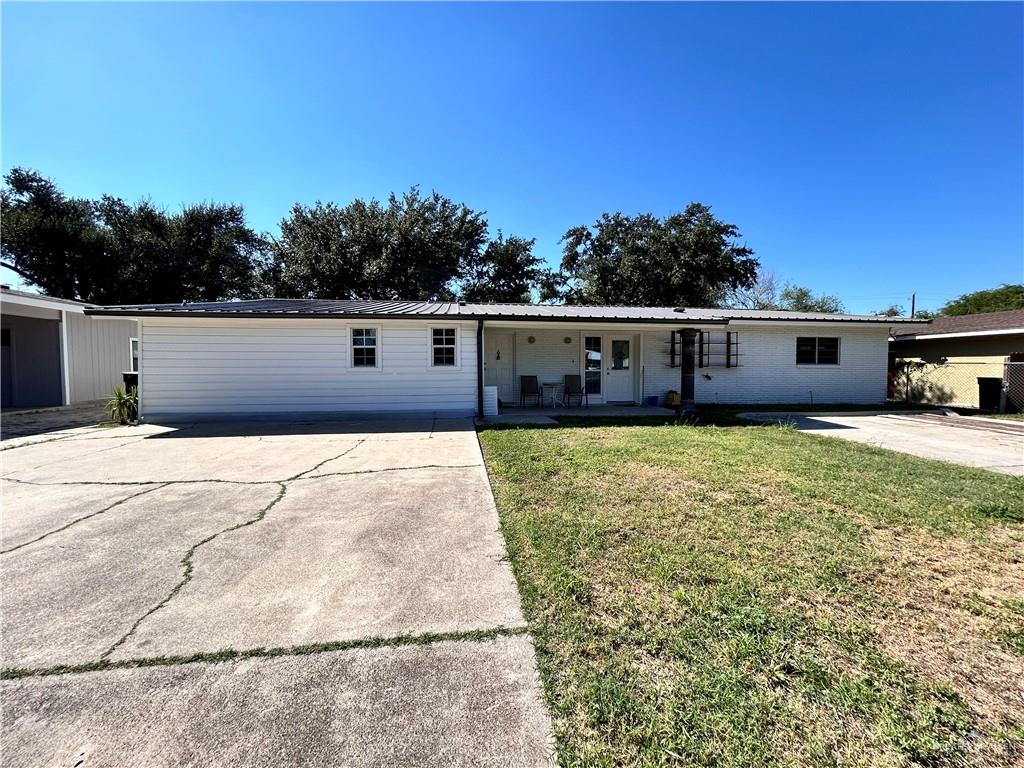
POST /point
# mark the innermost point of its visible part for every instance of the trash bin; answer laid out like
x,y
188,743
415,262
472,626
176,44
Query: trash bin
x,y
131,379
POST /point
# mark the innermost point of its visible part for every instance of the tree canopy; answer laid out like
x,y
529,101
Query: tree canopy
x,y
1005,297
113,252
796,298
409,247
687,259
505,271
764,293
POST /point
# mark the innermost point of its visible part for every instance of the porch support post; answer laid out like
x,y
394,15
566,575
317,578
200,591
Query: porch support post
x,y
687,347
480,368
65,353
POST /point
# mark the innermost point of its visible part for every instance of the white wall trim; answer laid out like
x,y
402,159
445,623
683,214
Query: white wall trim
x,y
65,367
42,302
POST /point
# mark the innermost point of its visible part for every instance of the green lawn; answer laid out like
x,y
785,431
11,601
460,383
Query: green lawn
x,y
752,595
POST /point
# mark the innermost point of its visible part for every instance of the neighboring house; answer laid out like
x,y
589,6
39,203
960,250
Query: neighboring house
x,y
53,354
295,355
961,361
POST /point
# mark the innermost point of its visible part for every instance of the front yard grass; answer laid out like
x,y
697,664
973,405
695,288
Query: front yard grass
x,y
754,596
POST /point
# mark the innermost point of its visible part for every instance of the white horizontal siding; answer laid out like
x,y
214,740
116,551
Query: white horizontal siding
x,y
768,372
212,365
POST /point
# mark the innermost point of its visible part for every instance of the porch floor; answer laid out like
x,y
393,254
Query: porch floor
x,y
535,415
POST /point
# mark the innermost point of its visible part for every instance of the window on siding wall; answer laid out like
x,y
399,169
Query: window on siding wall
x,y
364,347
442,345
134,346
817,350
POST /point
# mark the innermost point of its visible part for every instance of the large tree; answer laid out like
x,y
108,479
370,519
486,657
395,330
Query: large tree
x,y
51,240
1006,296
687,259
506,271
113,252
409,247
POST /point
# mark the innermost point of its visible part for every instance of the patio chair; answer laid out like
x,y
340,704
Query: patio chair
x,y
529,387
574,387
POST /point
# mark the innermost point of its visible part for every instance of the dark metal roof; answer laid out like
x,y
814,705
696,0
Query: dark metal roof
x,y
525,312
986,322
286,307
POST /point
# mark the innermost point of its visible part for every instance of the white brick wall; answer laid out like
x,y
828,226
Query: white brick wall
x,y
768,372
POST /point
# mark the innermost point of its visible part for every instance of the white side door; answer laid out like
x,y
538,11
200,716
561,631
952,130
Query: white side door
x,y
618,380
499,365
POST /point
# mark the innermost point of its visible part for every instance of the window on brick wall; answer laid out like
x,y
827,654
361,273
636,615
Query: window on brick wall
x,y
817,350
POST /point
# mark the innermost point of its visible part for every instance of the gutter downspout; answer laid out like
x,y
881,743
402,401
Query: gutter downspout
x,y
480,368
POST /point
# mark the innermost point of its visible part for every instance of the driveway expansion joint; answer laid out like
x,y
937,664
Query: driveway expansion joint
x,y
230,654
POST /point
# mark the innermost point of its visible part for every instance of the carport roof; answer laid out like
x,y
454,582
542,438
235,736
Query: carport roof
x,y
374,309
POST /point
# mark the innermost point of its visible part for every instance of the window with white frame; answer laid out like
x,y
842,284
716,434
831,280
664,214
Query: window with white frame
x,y
443,346
364,348
134,347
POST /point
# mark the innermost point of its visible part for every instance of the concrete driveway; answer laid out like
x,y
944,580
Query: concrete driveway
x,y
989,444
301,593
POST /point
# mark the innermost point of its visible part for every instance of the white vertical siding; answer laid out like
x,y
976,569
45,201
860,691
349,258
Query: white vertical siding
x,y
255,365
768,372
99,353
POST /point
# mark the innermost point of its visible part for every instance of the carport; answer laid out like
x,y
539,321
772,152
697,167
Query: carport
x,y
53,354
33,353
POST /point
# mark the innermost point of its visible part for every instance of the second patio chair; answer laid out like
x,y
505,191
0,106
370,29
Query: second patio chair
x,y
574,388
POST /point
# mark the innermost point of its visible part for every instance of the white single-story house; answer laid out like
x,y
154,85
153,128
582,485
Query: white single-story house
x,y
52,353
306,355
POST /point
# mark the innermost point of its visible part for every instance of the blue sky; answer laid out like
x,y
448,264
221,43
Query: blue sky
x,y
865,150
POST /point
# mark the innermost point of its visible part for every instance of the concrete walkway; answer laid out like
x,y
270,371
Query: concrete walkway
x,y
286,593
998,447
49,421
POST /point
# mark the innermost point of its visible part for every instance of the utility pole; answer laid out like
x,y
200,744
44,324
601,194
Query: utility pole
x,y
913,301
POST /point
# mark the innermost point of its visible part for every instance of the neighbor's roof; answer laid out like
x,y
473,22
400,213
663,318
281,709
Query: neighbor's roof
x,y
538,312
984,324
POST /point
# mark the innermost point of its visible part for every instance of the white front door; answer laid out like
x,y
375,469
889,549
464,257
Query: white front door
x,y
499,365
618,380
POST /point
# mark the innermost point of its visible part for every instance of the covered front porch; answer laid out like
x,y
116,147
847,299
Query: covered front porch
x,y
621,364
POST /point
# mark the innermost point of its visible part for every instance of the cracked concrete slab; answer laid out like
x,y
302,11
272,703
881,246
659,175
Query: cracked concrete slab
x,y
385,553
448,450
451,703
33,510
346,557
71,596
35,460
164,458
